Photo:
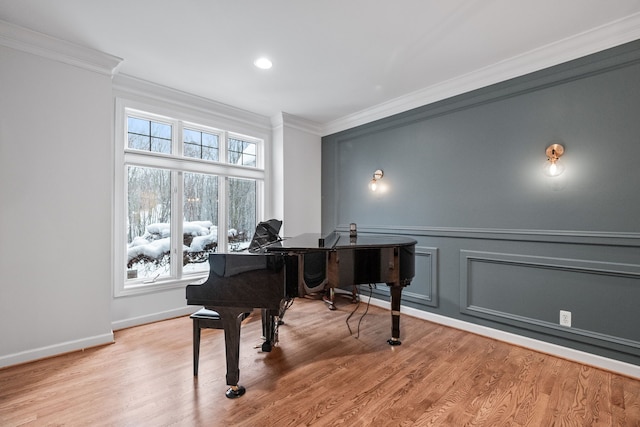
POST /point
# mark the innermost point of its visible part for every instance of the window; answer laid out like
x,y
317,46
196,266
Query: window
x,y
185,190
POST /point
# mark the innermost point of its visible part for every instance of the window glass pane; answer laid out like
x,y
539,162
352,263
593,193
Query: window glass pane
x,y
138,126
241,212
248,153
160,145
242,152
148,222
209,140
200,226
209,153
161,130
234,151
192,136
148,135
200,145
138,133
192,150
210,147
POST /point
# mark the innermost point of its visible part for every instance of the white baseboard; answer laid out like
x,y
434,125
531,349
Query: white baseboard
x,y
70,346
585,358
55,350
153,317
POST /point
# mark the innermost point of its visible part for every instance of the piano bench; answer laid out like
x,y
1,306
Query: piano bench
x,y
204,319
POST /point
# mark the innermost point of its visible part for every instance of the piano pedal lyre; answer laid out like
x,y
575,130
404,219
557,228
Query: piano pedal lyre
x,y
330,299
268,344
270,325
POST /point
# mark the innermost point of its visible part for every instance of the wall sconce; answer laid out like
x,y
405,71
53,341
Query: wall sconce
x,y
553,166
377,176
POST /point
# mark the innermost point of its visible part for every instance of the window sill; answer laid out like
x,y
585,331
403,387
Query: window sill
x,y
157,286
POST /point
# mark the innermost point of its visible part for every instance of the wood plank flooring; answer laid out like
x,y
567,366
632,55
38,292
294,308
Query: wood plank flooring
x,y
320,375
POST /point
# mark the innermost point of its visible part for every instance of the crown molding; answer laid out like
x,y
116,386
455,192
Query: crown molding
x,y
595,40
29,41
289,120
126,86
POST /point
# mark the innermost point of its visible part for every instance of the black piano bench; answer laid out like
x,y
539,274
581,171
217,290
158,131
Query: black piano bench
x,y
202,318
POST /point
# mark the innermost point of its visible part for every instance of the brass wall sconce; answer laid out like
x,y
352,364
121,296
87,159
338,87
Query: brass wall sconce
x,y
377,176
553,166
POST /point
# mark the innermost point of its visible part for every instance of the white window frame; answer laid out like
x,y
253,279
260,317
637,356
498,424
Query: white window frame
x,y
177,164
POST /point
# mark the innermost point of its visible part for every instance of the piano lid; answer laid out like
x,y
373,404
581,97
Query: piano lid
x,y
229,265
372,240
315,242
241,280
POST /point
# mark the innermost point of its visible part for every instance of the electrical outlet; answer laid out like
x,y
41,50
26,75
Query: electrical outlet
x,y
565,318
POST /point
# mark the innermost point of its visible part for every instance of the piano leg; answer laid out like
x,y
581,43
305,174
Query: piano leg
x,y
396,294
231,320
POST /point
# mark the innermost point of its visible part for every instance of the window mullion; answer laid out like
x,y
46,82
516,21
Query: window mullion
x,y
177,214
223,147
177,203
223,234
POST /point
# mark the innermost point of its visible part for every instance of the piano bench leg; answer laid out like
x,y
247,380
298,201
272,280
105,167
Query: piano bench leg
x,y
196,346
202,319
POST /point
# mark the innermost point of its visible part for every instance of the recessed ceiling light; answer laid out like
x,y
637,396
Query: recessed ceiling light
x,y
263,63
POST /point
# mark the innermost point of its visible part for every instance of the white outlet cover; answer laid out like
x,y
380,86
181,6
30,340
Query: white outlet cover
x,y
565,318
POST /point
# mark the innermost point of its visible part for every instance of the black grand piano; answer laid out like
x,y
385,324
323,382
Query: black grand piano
x,y
274,271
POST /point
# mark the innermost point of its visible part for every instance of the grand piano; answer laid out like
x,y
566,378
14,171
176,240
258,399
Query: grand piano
x,y
274,271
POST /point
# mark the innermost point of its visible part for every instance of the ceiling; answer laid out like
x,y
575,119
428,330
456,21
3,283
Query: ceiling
x,y
331,58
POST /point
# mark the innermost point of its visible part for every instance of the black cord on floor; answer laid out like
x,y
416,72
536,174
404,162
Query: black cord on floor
x,y
363,314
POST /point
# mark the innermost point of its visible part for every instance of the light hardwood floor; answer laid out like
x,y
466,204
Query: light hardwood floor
x,y
319,374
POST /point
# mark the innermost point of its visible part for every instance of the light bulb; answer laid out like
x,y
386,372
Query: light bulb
x,y
553,168
377,175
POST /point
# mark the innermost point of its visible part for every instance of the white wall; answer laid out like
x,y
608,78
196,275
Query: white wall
x,y
55,222
301,148
276,174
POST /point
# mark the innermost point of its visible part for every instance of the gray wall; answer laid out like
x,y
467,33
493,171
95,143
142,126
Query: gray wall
x,y
499,243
